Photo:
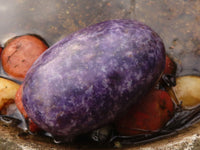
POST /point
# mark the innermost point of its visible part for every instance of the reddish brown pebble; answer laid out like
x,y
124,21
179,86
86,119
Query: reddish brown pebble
x,y
20,53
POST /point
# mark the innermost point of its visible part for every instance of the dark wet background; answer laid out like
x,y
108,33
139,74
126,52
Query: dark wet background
x,y
176,21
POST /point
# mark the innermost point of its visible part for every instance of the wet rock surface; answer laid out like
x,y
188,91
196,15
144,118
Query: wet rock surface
x,y
177,22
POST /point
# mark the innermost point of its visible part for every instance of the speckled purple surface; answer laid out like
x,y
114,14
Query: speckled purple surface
x,y
85,80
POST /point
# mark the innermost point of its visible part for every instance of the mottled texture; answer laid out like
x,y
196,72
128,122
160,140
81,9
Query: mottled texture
x,y
85,80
